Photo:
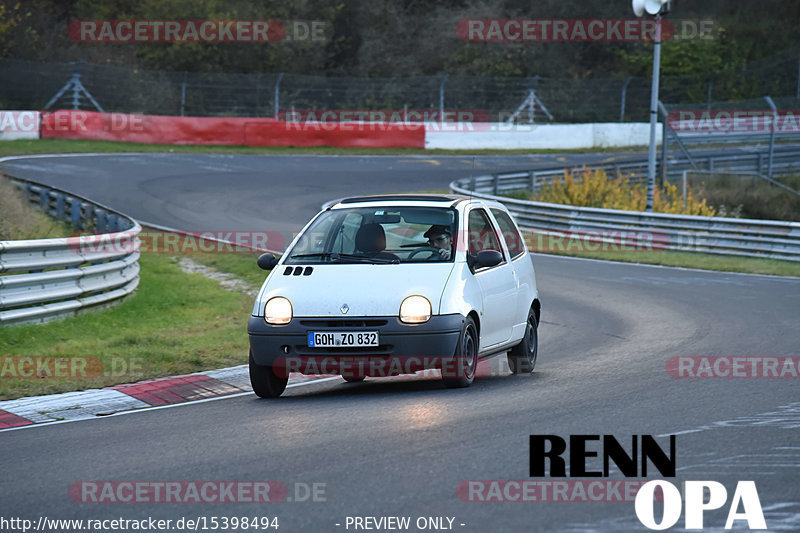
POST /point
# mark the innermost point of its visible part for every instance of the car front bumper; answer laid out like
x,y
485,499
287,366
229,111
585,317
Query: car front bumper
x,y
404,348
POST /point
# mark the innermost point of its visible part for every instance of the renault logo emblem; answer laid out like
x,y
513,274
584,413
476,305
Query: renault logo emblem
x,y
344,309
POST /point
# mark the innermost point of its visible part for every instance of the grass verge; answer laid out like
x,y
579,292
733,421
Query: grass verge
x,y
19,220
53,146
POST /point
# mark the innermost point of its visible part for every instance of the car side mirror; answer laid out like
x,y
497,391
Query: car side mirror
x,y
486,258
489,258
267,261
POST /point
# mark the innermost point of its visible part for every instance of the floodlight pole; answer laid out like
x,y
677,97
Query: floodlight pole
x,y
651,156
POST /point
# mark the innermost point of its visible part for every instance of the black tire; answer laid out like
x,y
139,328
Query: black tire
x,y
522,357
353,379
466,358
266,384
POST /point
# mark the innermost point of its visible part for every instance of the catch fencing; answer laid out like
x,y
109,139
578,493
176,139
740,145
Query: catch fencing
x,y
32,85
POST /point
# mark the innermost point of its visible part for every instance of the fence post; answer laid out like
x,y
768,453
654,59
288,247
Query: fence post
x,y
798,77
258,94
441,97
683,188
771,134
183,94
624,96
277,94
663,174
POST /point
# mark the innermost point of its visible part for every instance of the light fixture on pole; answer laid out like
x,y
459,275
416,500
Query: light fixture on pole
x,y
657,8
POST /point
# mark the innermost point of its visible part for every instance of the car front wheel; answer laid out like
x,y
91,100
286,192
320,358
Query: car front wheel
x,y
266,384
522,357
462,372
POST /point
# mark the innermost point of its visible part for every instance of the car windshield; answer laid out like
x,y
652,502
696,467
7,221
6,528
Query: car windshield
x,y
379,235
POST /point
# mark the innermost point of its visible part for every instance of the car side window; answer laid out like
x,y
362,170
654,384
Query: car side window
x,y
513,237
481,234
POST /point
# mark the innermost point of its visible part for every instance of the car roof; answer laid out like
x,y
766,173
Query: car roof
x,y
448,199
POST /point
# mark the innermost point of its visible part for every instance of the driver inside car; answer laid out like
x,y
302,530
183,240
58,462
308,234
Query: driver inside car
x,y
439,237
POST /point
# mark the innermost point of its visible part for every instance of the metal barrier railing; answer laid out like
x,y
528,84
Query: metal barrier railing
x,y
732,236
48,278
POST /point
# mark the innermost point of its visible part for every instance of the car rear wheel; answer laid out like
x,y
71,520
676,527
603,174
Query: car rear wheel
x,y
353,379
462,372
266,384
522,357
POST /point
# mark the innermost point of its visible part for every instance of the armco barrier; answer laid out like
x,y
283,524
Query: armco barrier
x,y
732,236
48,278
152,129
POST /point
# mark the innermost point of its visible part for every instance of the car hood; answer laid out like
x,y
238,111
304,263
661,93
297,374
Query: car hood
x,y
367,289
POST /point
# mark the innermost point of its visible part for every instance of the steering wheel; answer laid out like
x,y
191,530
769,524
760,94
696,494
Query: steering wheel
x,y
430,249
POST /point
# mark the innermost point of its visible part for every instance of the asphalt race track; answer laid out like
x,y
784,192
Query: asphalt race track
x,y
400,447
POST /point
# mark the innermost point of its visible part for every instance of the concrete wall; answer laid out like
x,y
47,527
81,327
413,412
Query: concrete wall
x,y
19,125
543,136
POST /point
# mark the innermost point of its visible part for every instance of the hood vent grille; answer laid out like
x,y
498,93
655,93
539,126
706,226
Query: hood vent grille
x,y
298,271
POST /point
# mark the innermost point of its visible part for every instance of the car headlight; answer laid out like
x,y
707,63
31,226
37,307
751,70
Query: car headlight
x,y
278,311
415,310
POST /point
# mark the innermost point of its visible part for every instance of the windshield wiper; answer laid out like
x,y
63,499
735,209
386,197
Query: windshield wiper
x,y
315,254
333,256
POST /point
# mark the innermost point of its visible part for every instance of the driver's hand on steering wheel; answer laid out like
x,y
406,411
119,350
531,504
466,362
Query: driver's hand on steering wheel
x,y
444,253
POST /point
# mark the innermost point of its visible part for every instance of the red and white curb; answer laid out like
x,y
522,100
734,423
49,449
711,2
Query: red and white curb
x,y
93,403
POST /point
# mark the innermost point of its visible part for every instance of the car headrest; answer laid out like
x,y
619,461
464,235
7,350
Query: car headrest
x,y
371,238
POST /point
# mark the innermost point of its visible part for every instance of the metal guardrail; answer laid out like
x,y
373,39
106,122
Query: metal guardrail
x,y
785,162
48,278
731,236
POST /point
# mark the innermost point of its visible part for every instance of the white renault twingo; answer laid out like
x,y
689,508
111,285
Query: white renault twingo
x,y
387,285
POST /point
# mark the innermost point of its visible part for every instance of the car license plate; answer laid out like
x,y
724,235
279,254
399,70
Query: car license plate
x,y
334,339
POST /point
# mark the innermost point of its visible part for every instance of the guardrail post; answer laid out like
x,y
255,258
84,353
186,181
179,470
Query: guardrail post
x,y
101,221
496,183
710,163
60,206
88,216
44,198
472,183
75,206
533,182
